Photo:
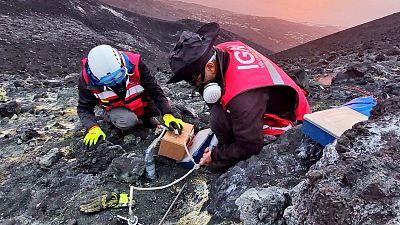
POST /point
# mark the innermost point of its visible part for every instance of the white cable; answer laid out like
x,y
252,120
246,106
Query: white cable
x,y
130,202
190,135
195,167
165,186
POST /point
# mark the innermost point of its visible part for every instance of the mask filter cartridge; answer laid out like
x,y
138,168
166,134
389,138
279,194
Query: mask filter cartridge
x,y
212,93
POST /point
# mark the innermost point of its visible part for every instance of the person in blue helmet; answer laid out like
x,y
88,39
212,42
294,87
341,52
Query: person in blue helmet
x,y
120,83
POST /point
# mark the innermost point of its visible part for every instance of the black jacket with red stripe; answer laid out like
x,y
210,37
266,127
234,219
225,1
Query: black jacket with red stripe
x,y
87,100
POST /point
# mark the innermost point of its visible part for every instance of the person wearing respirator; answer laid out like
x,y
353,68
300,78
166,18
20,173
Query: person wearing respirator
x,y
120,83
248,95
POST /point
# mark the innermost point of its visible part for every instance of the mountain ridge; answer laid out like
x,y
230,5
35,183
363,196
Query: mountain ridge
x,y
385,28
271,33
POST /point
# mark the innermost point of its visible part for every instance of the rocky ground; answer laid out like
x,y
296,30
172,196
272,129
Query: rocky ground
x,y
46,172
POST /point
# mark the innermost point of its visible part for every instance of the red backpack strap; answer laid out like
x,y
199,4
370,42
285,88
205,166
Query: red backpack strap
x,y
274,125
84,72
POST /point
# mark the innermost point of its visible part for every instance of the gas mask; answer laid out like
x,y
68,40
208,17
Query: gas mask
x,y
212,93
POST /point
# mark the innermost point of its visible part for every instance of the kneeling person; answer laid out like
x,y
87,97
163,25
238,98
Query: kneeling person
x,y
249,96
122,85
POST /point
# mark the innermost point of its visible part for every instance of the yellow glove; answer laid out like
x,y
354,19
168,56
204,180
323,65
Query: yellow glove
x,y
104,201
173,123
93,136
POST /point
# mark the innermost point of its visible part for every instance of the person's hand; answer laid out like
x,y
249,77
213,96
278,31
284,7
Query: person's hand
x,y
206,160
93,136
173,123
104,201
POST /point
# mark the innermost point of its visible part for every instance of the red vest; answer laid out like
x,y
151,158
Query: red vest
x,y
108,99
248,69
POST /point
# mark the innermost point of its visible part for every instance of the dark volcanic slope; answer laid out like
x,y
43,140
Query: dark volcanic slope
x,y
271,33
64,31
386,31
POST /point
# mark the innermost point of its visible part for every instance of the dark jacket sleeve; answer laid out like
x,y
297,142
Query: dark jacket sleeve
x,y
86,103
246,112
150,84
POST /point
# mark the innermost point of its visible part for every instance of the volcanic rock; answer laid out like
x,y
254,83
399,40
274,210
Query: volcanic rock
x,y
263,206
351,73
126,169
360,177
380,57
97,158
10,108
51,157
395,50
29,134
277,164
300,76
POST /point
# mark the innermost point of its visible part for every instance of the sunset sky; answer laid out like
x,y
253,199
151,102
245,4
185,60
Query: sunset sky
x,y
345,13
